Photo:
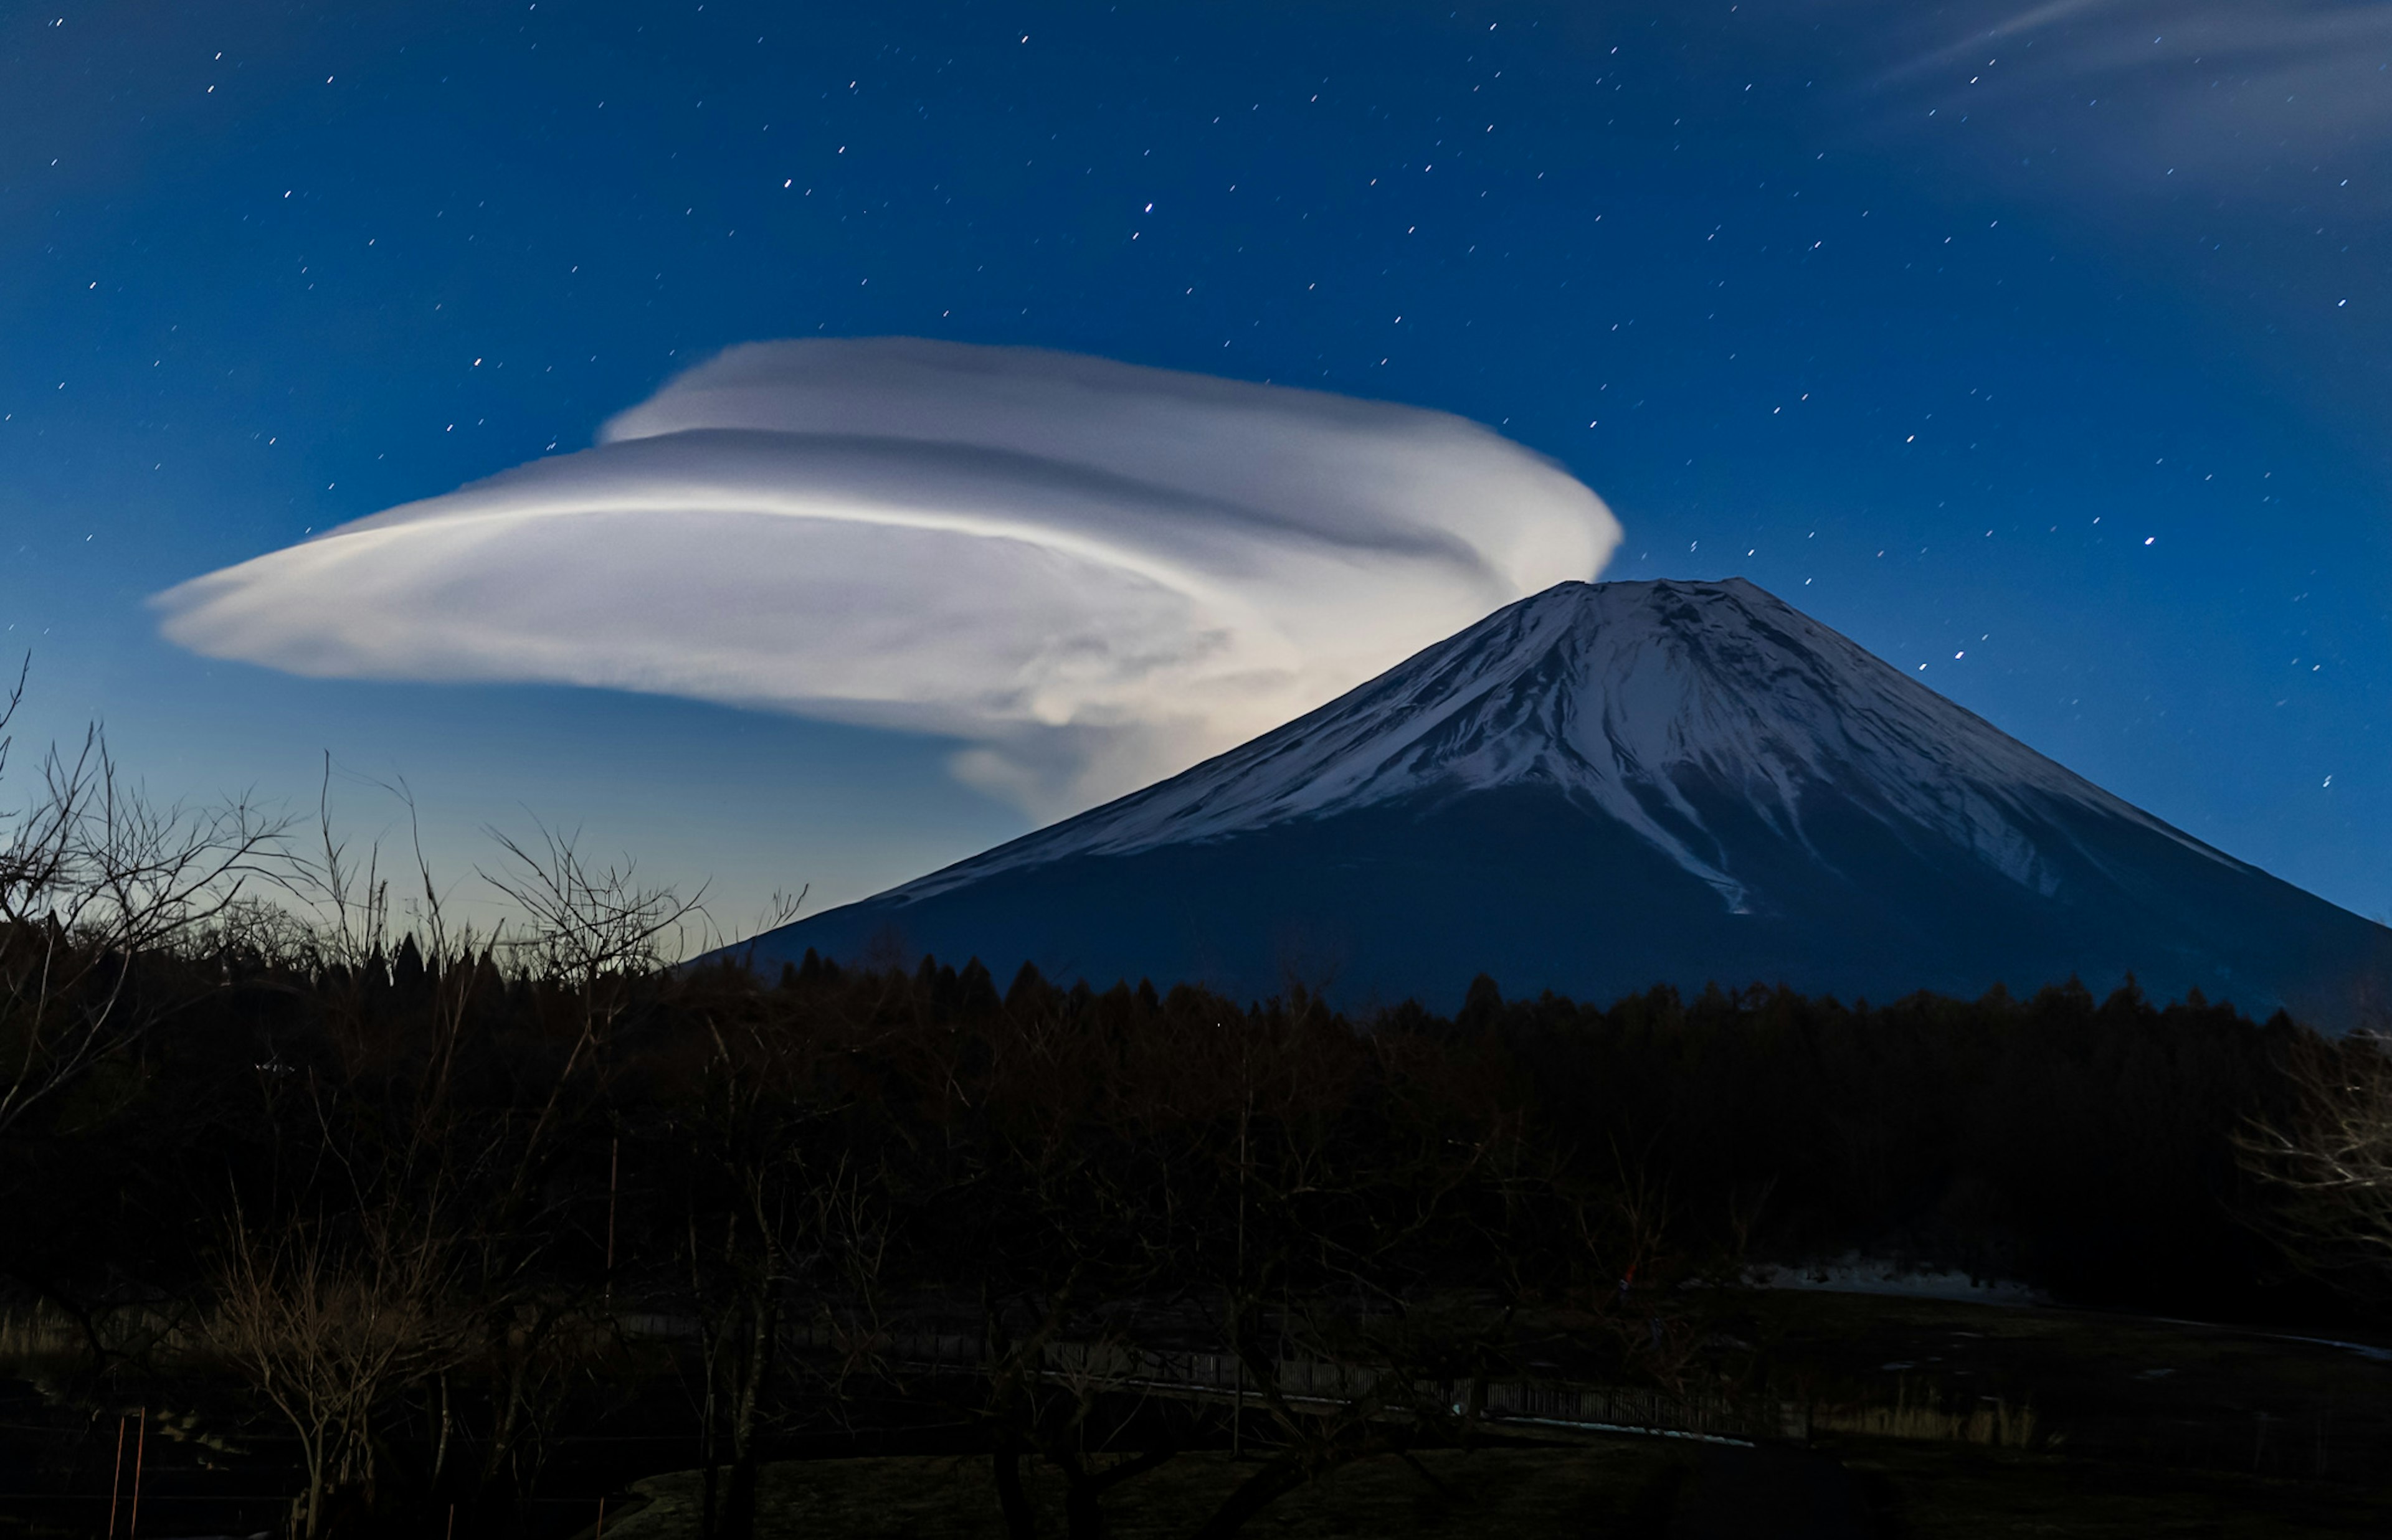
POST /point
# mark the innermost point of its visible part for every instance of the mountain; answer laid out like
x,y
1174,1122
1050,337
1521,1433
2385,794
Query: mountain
x,y
1611,785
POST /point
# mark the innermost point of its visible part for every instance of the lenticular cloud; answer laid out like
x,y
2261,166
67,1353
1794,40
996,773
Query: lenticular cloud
x,y
1090,572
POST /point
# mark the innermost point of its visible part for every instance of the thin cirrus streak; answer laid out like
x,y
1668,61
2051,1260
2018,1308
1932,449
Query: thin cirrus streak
x,y
1089,573
2250,97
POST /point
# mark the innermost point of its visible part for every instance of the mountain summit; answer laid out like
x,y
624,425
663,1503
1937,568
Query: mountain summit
x,y
1611,785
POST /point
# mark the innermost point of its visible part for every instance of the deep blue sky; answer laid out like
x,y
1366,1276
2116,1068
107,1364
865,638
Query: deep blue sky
x,y
2073,362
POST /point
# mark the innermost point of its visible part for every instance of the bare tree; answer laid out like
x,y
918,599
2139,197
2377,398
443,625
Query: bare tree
x,y
1327,1182
95,877
588,925
482,1177
788,1228
596,938
2330,1159
331,1328
346,897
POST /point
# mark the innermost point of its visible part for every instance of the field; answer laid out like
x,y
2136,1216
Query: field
x,y
1616,1486
2138,1427
2141,1428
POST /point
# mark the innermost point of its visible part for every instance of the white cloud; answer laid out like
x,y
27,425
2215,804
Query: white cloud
x,y
1091,572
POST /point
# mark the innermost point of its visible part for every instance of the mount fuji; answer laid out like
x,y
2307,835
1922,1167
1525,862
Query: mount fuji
x,y
1612,785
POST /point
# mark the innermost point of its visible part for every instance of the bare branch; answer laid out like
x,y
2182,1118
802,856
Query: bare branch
x,y
95,877
2332,1160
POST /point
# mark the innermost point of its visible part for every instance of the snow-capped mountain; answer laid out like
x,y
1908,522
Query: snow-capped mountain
x,y
1614,693
1611,785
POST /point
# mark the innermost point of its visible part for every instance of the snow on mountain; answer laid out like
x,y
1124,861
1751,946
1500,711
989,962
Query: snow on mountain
x,y
1618,694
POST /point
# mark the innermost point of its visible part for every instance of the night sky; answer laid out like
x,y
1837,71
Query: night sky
x,y
2040,350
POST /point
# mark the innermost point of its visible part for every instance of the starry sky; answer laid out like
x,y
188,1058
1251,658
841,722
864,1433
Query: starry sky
x,y
2042,349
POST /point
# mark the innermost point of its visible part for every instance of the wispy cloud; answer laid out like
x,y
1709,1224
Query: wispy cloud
x,y
2255,95
1089,572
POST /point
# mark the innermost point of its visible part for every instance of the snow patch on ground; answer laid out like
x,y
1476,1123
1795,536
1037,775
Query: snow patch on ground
x,y
1856,1275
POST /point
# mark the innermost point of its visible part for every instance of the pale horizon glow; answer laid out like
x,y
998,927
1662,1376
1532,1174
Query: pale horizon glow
x,y
1089,574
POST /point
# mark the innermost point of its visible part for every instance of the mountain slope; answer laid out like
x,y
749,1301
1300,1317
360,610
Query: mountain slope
x,y
1611,785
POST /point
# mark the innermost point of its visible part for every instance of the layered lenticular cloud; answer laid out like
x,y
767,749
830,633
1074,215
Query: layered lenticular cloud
x,y
1090,572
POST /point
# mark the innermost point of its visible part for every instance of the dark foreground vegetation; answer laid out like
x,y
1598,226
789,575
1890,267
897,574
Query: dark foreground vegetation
x,y
416,1224
349,1236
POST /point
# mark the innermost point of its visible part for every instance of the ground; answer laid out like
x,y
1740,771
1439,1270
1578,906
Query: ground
x,y
1623,1487
2141,1428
